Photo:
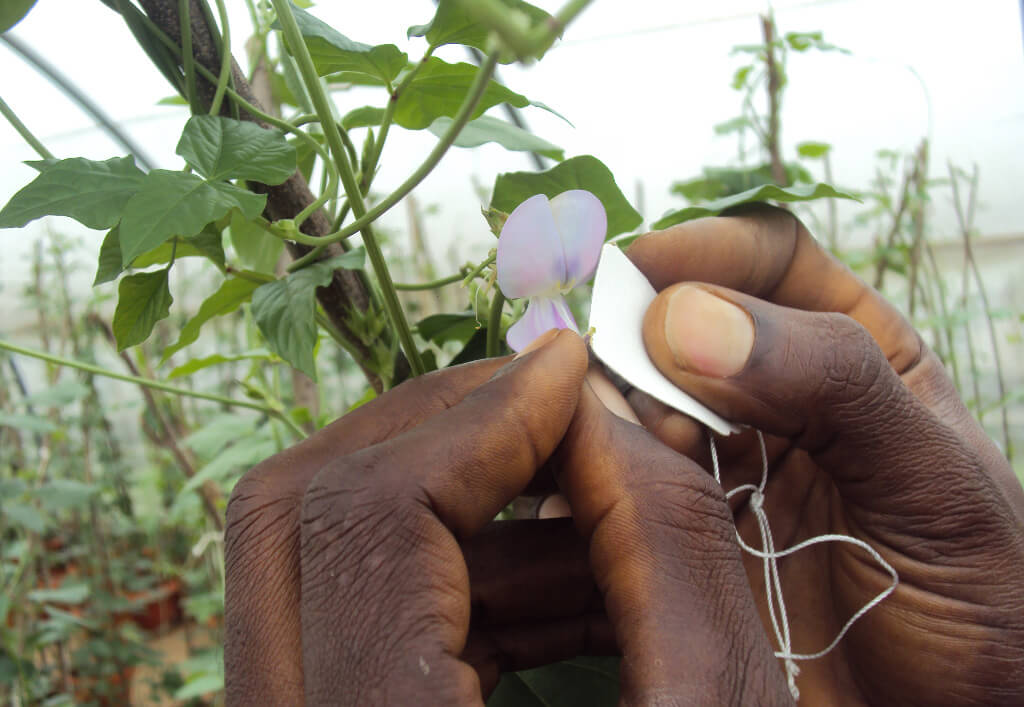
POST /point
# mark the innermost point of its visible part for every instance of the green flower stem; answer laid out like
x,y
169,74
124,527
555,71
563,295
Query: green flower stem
x,y
310,257
479,269
188,63
25,133
567,14
333,332
476,91
331,131
494,324
433,284
155,384
225,59
261,278
389,113
525,43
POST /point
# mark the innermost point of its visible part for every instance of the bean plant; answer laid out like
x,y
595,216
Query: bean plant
x,y
275,196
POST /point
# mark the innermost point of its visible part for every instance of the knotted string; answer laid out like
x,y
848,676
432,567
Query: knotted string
x,y
772,581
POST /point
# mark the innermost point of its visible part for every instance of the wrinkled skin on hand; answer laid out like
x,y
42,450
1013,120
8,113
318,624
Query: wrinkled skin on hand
x,y
362,569
866,436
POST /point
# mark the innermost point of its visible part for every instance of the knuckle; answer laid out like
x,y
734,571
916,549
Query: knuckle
x,y
847,365
261,516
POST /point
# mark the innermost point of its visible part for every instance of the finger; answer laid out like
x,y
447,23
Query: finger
x,y
381,528
513,566
664,556
524,646
261,546
769,254
821,380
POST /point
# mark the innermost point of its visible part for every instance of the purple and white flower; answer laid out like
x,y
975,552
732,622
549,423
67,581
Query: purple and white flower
x,y
546,248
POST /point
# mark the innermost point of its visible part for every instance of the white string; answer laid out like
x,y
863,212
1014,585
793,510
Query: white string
x,y
772,580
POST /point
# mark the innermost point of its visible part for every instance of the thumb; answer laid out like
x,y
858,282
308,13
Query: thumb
x,y
818,378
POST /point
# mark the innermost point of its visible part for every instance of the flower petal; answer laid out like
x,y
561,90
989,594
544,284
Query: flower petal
x,y
582,225
542,313
531,259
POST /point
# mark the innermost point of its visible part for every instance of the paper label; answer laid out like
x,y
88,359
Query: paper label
x,y
621,297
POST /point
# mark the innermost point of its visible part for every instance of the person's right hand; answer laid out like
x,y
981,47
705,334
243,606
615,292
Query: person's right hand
x,y
867,437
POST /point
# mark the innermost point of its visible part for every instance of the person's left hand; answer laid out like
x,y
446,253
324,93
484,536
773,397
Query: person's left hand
x,y
353,559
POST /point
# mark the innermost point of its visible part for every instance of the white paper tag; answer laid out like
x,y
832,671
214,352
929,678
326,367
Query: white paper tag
x,y
621,297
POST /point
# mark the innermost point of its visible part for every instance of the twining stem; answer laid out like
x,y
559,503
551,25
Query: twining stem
x,y
188,62
433,284
155,384
25,133
331,131
525,43
225,59
494,324
480,268
469,105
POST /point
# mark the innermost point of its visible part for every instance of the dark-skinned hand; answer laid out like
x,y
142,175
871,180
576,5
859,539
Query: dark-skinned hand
x,y
362,567
866,436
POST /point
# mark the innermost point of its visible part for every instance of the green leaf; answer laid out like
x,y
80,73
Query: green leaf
x,y
228,297
199,686
733,125
178,204
223,148
439,89
74,593
488,129
474,350
451,24
109,264
60,394
718,182
365,117
217,433
198,364
206,244
142,301
284,310
582,681
765,192
29,423
333,51
62,494
240,456
739,79
92,193
584,172
25,516
442,328
813,150
13,11
257,250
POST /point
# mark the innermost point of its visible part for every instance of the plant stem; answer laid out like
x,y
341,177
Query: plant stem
x,y
188,62
225,58
480,268
25,133
332,132
137,380
433,284
494,323
469,105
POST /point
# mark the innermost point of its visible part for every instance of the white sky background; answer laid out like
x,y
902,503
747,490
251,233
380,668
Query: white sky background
x,y
643,81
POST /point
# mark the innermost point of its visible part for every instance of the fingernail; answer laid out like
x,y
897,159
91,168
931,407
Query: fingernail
x,y
610,396
707,334
538,342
